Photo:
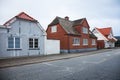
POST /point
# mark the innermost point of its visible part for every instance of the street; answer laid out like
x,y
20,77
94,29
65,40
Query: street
x,y
101,66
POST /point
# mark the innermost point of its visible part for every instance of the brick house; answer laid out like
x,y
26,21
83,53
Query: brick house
x,y
74,36
106,35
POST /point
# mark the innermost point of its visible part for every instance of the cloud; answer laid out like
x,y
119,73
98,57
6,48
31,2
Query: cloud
x,y
102,23
98,12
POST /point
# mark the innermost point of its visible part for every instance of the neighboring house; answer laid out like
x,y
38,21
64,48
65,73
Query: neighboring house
x,y
22,36
117,43
105,34
74,36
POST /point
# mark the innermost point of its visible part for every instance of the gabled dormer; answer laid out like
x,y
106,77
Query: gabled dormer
x,y
81,26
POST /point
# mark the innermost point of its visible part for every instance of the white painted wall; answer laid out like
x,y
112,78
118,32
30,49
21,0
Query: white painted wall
x,y
52,47
99,35
107,45
25,30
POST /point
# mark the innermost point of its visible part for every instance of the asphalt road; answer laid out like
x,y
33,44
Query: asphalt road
x,y
102,66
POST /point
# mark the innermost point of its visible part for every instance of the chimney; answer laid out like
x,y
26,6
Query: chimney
x,y
66,18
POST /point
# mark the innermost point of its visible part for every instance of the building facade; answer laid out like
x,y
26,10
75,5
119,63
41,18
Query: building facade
x,y
74,36
22,36
105,34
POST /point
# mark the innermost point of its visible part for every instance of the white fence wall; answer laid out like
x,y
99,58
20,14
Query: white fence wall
x,y
52,47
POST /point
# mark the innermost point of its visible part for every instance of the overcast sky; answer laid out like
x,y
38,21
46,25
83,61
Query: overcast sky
x,y
99,13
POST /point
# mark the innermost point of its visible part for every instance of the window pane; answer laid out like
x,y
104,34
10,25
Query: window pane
x,y
93,41
85,30
10,42
17,42
36,43
85,41
53,29
30,43
76,41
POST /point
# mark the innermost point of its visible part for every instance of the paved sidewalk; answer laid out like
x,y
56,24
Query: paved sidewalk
x,y
11,62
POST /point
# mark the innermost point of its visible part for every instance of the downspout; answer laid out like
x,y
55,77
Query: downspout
x,y
68,43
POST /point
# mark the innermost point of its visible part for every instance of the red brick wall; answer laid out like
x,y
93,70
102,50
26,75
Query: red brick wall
x,y
59,35
100,44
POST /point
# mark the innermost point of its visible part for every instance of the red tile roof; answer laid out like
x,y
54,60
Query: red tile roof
x,y
21,15
106,32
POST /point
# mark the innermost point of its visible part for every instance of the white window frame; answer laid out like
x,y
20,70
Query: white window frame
x,y
76,41
85,30
53,29
33,43
93,42
14,43
85,41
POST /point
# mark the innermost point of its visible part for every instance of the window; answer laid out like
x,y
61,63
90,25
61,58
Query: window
x,y
85,41
33,43
13,42
93,42
54,29
85,30
76,41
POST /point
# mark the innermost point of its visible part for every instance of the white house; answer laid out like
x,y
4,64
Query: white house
x,y
105,34
23,36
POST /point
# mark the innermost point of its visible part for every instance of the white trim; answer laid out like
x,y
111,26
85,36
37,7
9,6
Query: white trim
x,y
41,28
11,21
75,44
101,34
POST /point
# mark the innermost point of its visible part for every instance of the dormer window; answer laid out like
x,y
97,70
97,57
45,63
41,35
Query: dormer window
x,y
85,30
53,29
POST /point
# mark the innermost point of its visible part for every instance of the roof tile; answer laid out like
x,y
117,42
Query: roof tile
x,y
21,15
106,32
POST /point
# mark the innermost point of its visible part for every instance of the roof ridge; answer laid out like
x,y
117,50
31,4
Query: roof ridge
x,y
104,28
64,19
19,16
79,19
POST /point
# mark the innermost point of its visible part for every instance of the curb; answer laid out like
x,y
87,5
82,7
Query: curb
x,y
57,57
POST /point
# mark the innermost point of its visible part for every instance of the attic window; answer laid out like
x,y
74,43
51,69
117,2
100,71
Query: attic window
x,y
85,30
53,29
